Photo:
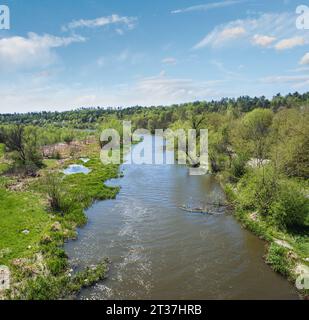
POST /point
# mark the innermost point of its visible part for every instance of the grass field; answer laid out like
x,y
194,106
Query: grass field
x,y
20,211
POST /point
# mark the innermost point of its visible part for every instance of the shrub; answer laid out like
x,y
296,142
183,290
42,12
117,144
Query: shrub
x,y
68,138
57,264
277,199
277,257
43,288
238,166
58,198
291,207
22,142
258,189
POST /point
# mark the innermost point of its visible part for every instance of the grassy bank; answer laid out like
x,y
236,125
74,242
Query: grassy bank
x,y
32,234
287,249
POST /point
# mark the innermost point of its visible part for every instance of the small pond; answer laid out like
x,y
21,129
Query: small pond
x,y
76,168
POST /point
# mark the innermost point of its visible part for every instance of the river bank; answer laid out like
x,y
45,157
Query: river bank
x,y
286,251
32,236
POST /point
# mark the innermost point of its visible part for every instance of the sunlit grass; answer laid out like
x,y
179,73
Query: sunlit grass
x,y
20,211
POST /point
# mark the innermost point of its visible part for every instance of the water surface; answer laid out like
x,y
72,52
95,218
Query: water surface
x,y
159,251
76,168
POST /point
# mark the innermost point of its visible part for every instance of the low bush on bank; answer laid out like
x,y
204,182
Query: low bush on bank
x,y
238,167
290,208
277,258
280,201
51,287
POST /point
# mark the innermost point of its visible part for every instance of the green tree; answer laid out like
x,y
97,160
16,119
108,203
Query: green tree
x,y
22,142
255,129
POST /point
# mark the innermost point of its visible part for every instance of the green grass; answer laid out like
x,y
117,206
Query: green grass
x,y
20,211
29,210
277,257
3,165
91,185
2,149
50,163
49,287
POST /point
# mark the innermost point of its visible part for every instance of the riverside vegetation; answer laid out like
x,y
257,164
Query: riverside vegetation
x,y
41,208
258,148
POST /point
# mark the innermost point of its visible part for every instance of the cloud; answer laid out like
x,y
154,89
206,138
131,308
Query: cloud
x,y
169,61
295,81
32,51
224,70
156,90
114,19
290,43
125,56
162,89
208,6
285,79
305,59
258,31
217,38
262,40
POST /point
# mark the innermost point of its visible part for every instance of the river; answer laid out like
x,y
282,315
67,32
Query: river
x,y
159,251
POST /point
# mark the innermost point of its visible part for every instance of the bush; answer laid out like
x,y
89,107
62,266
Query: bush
x,y
51,287
44,288
238,166
277,257
277,199
258,189
59,199
68,138
22,144
291,207
57,263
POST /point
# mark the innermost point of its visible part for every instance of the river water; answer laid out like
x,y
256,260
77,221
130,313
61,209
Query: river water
x,y
159,251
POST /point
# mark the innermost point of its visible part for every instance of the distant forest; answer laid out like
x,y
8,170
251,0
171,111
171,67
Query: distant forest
x,y
160,115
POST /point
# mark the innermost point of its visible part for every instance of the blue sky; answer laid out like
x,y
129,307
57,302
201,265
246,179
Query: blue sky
x,y
60,55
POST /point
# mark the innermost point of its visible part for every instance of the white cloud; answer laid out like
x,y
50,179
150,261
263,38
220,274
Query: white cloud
x,y
285,79
114,19
169,61
305,59
171,89
262,40
260,30
224,70
31,51
217,38
157,90
294,81
208,6
290,43
125,56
